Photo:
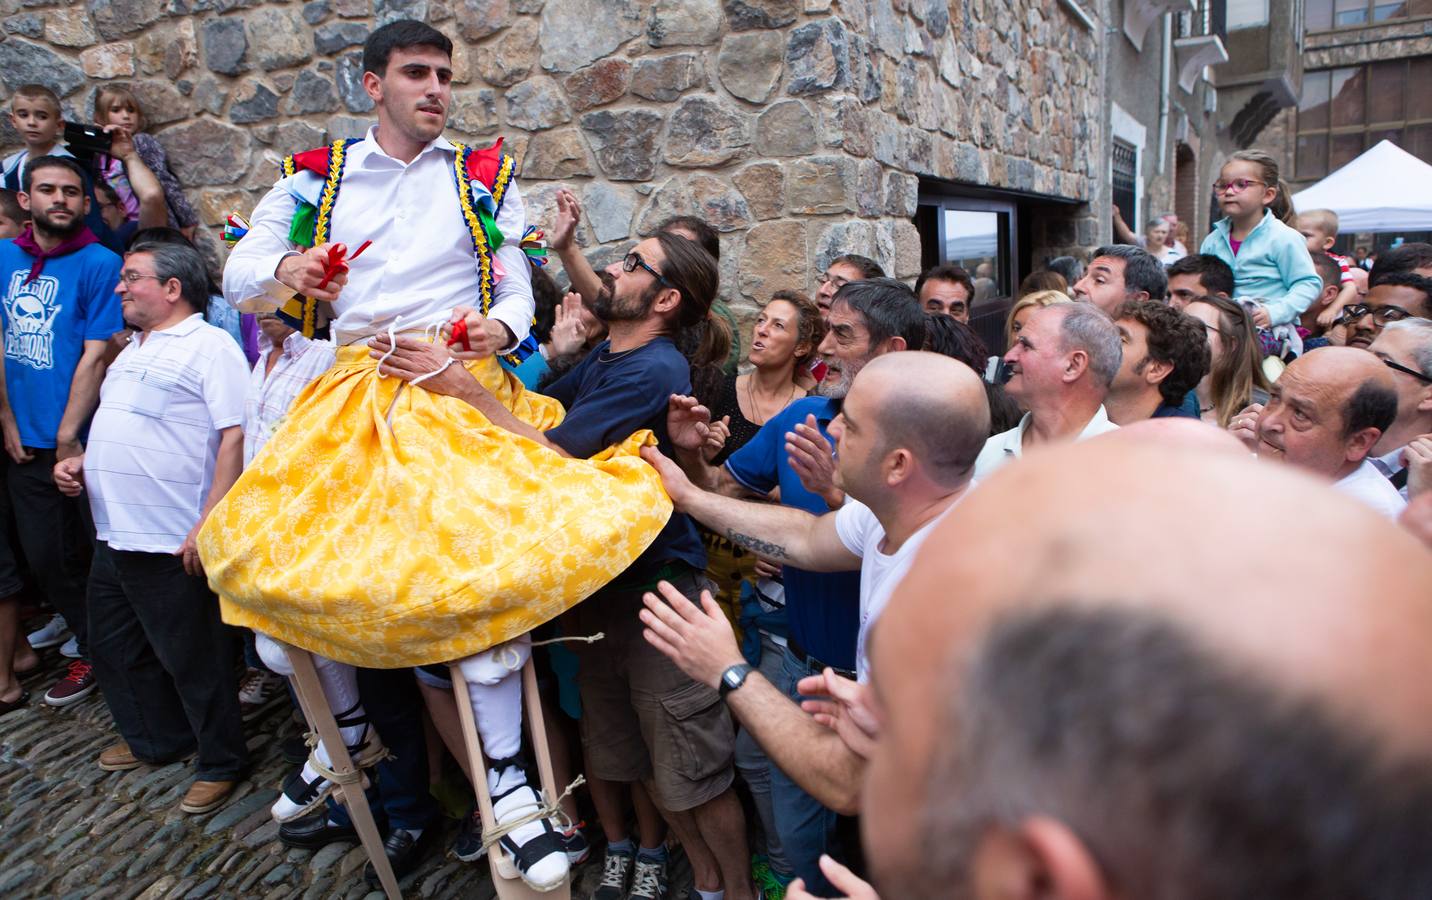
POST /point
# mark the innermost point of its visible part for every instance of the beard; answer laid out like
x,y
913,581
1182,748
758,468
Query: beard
x,y
608,307
60,230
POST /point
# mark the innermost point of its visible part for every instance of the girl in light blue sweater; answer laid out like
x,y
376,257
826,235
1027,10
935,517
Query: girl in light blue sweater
x,y
1270,260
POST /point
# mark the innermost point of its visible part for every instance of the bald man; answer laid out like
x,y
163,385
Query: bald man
x,y
1325,414
906,441
1077,705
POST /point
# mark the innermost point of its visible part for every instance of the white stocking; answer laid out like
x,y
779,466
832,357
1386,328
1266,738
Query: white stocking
x,y
340,689
494,687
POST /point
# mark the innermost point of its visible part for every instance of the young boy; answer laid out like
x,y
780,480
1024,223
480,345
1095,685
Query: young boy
x,y
1320,228
35,114
12,217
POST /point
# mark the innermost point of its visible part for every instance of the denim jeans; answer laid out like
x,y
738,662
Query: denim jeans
x,y
755,767
394,706
806,827
165,661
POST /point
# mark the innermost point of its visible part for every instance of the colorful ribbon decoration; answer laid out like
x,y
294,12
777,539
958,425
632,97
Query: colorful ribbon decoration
x,y
336,262
235,227
459,335
534,244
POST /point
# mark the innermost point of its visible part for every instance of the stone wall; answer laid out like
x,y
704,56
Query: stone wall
x,y
799,128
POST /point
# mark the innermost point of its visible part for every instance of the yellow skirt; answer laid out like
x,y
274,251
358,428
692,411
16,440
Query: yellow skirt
x,y
421,534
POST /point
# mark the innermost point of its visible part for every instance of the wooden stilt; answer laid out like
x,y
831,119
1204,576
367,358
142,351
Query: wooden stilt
x,y
508,884
320,719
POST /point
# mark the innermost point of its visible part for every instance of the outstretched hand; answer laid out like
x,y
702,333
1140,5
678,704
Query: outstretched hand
x,y
688,423
844,706
850,885
698,639
812,459
569,326
673,479
564,230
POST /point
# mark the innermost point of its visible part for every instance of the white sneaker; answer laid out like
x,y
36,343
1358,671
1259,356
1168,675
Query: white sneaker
x,y
52,635
71,648
305,790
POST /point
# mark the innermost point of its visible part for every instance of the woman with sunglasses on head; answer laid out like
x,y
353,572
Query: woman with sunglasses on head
x,y
1236,377
1269,259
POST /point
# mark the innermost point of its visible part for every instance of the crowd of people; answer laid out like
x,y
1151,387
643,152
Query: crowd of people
x,y
765,592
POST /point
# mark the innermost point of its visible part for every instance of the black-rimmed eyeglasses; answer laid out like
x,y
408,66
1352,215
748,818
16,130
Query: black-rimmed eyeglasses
x,y
632,260
1399,367
1382,315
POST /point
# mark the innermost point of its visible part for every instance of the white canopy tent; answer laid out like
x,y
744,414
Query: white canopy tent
x,y
1384,189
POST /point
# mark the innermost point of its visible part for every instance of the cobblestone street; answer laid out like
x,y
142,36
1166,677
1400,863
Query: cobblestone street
x,y
70,830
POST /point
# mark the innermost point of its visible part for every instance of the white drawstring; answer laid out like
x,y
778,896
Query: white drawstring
x,y
392,343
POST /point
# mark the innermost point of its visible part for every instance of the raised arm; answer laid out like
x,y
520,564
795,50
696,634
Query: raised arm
x,y
580,273
153,210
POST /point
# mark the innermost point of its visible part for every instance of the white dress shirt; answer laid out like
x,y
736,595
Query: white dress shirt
x,y
271,393
421,263
152,446
1389,465
1009,445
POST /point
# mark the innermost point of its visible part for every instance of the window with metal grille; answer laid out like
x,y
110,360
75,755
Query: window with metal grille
x,y
1126,167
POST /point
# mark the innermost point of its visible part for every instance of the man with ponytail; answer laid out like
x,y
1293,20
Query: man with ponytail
x,y
640,713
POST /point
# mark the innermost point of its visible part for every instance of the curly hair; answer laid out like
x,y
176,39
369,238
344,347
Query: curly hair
x,y
1173,338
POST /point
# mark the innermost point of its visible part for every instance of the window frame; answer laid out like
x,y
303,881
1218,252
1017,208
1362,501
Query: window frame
x,y
1365,129
1369,9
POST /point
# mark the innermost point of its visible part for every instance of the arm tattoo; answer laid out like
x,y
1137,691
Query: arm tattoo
x,y
764,548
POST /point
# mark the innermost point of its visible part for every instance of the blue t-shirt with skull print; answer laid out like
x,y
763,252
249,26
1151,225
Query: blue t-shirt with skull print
x,y
46,323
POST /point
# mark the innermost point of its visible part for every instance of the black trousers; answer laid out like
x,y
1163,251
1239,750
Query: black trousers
x,y
165,661
56,536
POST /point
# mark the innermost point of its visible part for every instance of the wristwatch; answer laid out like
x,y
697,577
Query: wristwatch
x,y
733,678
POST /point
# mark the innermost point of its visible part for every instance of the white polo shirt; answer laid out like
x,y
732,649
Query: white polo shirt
x,y
1370,486
150,458
1009,445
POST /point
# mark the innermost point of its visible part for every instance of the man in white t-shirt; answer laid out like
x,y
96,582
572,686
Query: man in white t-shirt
x,y
906,441
1324,415
164,447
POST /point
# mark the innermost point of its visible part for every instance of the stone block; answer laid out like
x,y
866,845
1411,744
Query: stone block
x,y
336,36
208,95
537,104
353,9
559,153
25,24
226,46
253,102
786,128
161,101
478,19
821,185
625,141
670,199
114,60
764,187
344,127
664,78
295,137
902,193
22,62
69,26
214,204
350,82
608,211
207,152
279,39
705,133
312,93
841,238
817,55
749,64
748,15
385,11
474,112
598,84
117,18
677,23
774,260
315,11
172,49
721,205
507,59
577,33
846,124
867,187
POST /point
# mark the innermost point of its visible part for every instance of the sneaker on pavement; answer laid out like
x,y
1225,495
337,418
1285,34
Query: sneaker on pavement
x,y
576,844
616,871
77,684
71,648
52,635
648,882
467,846
257,692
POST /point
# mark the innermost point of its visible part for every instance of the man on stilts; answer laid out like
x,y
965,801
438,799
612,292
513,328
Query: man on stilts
x,y
385,525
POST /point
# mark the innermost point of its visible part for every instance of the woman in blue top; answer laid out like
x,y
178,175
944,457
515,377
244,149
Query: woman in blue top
x,y
1270,260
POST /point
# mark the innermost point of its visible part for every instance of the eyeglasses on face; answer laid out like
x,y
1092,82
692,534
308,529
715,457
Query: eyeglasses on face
x,y
1237,185
1399,367
1382,315
827,278
132,277
632,260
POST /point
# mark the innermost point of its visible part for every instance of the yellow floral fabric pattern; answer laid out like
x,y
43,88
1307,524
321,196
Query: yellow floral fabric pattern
x,y
387,526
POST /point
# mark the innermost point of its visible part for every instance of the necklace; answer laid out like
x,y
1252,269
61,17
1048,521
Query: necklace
x,y
755,407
